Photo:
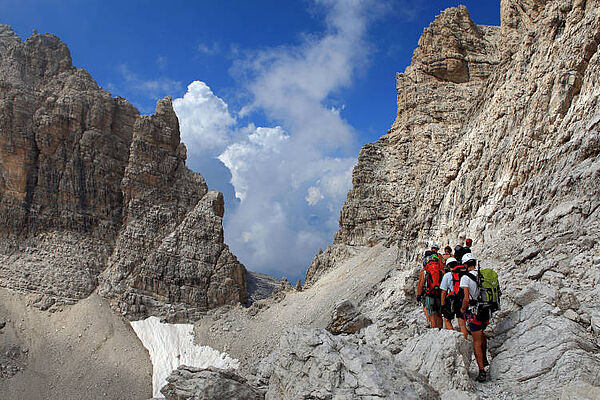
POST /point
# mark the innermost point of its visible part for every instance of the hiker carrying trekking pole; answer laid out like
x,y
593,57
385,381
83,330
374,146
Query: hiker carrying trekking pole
x,y
481,298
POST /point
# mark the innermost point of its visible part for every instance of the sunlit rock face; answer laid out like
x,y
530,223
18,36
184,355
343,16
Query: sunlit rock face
x,y
92,193
497,138
496,128
400,180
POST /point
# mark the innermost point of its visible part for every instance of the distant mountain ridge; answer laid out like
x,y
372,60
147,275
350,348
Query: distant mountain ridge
x,y
94,195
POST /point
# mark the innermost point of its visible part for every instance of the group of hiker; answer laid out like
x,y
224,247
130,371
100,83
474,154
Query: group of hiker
x,y
452,285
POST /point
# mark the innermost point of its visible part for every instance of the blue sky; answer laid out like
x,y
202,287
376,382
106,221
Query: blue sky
x,y
275,98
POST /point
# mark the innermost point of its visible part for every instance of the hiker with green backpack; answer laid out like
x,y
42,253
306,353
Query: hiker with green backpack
x,y
481,299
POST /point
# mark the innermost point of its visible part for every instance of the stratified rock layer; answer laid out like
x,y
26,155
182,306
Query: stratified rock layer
x,y
90,187
401,179
497,138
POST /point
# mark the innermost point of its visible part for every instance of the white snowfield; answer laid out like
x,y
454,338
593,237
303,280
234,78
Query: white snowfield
x,y
172,345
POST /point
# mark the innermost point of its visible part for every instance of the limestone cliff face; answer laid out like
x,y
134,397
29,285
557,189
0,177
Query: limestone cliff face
x,y
400,180
497,138
169,258
491,124
88,186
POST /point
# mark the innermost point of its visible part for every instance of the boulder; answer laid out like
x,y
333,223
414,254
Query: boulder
x,y
535,347
442,356
346,319
189,383
314,364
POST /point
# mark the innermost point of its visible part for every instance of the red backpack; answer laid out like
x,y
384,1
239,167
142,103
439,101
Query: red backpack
x,y
457,272
433,275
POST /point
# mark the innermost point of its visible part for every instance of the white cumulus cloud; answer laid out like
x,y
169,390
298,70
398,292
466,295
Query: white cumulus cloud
x,y
291,178
314,195
205,122
250,161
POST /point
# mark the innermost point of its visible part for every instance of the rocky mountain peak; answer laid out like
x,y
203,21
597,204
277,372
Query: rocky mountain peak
x,y
94,194
453,48
46,55
436,92
164,111
8,36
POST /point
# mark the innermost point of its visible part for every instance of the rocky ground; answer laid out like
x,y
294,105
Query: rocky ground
x,y
76,352
541,338
251,333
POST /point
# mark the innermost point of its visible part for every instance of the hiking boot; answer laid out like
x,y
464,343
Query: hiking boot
x,y
482,377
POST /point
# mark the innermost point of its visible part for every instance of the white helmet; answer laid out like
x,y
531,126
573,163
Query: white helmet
x,y
468,257
451,260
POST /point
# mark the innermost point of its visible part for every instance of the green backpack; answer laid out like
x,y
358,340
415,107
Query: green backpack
x,y
489,290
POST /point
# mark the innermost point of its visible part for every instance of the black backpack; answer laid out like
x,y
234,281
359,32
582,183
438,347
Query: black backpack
x,y
460,251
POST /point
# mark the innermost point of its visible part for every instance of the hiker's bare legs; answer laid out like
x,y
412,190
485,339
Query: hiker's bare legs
x,y
436,320
479,340
485,360
484,345
463,327
448,324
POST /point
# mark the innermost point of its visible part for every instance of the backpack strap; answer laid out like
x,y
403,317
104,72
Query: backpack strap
x,y
477,281
473,278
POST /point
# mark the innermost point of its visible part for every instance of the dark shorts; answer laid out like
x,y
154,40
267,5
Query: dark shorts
x,y
476,323
452,308
433,304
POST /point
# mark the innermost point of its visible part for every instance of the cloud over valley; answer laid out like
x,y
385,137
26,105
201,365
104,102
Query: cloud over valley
x,y
290,174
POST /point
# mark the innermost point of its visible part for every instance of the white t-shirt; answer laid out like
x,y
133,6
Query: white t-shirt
x,y
447,281
467,282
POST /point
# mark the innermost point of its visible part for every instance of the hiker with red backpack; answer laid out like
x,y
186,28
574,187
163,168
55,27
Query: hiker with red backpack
x,y
452,295
428,287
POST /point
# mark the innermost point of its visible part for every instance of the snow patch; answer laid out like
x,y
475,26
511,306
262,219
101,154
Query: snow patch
x,y
172,345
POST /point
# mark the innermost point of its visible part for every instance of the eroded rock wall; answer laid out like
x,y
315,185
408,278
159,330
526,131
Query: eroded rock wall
x,y
400,180
64,146
87,186
510,158
516,145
